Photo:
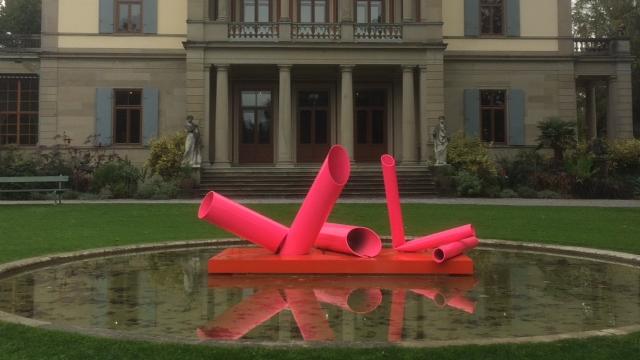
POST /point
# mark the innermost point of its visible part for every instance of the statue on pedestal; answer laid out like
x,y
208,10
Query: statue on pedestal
x,y
192,156
440,143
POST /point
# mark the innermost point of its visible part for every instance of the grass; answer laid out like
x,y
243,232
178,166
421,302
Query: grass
x,y
27,231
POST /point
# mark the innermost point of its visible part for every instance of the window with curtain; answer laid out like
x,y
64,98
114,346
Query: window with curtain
x,y
128,116
369,11
256,11
492,17
314,11
129,16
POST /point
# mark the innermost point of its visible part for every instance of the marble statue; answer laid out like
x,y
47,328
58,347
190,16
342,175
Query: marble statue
x,y
192,156
440,143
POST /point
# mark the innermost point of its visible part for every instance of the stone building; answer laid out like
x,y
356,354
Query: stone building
x,y
276,82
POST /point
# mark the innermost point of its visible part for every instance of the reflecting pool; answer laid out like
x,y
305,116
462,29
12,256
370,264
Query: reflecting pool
x,y
170,294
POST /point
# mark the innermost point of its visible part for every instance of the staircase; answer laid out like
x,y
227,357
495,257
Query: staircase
x,y
270,182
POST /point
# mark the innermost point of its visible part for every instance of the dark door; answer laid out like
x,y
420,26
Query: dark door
x,y
371,124
255,118
313,126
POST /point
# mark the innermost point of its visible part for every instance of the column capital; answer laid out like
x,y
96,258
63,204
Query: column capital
x,y
408,68
222,67
285,67
347,68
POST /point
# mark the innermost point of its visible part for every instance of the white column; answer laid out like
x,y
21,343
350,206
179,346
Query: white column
x,y
285,127
345,137
222,129
206,131
424,6
285,11
423,119
409,148
223,10
592,112
611,109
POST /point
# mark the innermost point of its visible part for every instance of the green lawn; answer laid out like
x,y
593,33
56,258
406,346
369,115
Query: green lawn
x,y
34,230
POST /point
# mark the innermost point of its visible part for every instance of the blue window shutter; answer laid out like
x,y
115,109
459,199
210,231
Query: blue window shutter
x,y
471,17
150,16
150,109
104,116
107,16
513,17
472,113
516,109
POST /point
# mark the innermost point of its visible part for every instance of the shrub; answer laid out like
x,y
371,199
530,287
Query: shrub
x,y
119,177
548,194
557,135
636,187
523,169
165,157
470,155
624,157
508,193
468,184
158,189
526,192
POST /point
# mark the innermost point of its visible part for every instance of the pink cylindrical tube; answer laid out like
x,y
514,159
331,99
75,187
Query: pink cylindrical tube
x,y
359,301
351,240
451,250
317,206
396,318
309,316
242,221
435,295
236,322
438,239
392,194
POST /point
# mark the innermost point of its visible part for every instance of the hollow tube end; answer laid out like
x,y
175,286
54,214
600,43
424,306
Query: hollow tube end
x,y
339,164
387,160
439,256
364,242
205,205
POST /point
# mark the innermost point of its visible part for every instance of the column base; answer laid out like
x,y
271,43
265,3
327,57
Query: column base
x,y
221,165
285,164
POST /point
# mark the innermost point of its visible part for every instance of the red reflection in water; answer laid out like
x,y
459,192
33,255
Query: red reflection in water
x,y
302,296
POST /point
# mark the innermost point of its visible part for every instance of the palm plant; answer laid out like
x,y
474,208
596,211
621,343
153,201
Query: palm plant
x,y
558,135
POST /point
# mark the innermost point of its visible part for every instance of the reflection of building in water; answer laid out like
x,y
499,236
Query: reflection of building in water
x,y
17,296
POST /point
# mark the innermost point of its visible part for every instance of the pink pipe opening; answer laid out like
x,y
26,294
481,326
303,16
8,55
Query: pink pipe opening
x,y
242,221
438,239
435,295
236,322
451,250
359,301
309,316
351,240
319,202
392,194
458,302
396,318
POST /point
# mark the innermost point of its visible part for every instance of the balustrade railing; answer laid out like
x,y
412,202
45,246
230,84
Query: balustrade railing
x,y
16,42
315,31
253,31
377,31
592,46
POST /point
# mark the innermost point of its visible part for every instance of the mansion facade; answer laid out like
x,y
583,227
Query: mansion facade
x,y
277,82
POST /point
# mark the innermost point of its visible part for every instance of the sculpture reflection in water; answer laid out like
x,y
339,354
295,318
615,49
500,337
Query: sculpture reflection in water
x,y
308,300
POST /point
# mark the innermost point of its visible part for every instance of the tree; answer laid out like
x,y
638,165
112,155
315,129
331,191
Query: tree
x,y
20,17
612,18
558,135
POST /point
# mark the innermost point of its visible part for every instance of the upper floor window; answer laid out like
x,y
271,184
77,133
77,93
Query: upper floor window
x,y
369,11
256,11
314,11
492,17
19,110
129,16
493,116
128,116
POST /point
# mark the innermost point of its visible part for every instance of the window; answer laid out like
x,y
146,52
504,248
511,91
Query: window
x,y
314,11
493,116
128,116
256,11
129,16
369,11
19,110
255,107
492,17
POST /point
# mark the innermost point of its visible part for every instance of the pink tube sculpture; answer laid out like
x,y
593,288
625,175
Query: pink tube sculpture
x,y
458,302
351,240
317,206
451,250
438,239
242,221
359,301
309,315
396,318
393,200
435,295
236,322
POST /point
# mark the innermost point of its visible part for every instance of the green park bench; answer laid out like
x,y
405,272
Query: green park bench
x,y
36,180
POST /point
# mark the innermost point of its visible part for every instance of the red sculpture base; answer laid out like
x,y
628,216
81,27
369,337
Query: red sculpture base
x,y
389,262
